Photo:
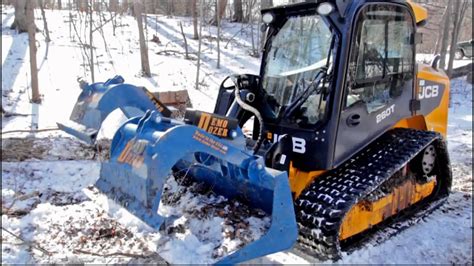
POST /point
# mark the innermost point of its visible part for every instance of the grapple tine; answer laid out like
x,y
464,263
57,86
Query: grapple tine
x,y
145,150
87,135
98,100
283,231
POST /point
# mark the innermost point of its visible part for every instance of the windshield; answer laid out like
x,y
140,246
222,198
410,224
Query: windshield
x,y
297,53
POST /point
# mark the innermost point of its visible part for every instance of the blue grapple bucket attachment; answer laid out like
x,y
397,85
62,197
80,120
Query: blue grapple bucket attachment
x,y
146,149
98,100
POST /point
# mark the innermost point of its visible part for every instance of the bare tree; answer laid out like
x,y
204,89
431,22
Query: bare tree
x,y
137,7
199,44
20,23
238,11
459,12
437,48
266,3
125,6
185,40
218,18
444,43
195,20
251,4
70,20
220,11
91,31
45,23
32,44
170,8
60,5
113,5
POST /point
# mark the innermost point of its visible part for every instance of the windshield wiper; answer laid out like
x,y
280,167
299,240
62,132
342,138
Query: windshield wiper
x,y
303,96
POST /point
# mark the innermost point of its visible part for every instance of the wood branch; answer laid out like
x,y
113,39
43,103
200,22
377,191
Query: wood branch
x,y
105,22
233,36
45,23
29,243
166,52
14,213
84,47
131,255
28,130
9,114
185,41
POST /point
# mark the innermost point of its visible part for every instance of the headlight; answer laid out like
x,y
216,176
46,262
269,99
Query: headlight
x,y
325,9
268,18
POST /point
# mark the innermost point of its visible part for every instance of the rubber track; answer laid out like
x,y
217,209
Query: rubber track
x,y
321,207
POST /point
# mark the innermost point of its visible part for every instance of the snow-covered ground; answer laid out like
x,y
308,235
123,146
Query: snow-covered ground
x,y
427,58
48,201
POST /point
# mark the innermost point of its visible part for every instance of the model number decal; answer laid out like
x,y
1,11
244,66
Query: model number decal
x,y
299,144
386,113
428,91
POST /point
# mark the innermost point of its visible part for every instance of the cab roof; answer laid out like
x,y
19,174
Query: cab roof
x,y
309,6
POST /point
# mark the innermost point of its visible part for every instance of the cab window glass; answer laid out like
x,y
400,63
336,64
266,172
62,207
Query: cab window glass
x,y
382,56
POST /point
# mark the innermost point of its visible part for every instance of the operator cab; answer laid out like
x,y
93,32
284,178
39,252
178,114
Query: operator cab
x,y
329,82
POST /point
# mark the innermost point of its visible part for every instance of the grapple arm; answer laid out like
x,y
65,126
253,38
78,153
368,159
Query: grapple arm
x,y
98,100
145,150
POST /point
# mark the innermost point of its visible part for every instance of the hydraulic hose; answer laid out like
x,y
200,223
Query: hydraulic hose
x,y
253,110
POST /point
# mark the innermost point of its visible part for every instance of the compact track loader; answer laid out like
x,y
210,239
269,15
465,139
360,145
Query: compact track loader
x,y
348,131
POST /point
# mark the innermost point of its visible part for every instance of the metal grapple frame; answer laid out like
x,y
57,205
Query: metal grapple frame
x,y
148,148
98,100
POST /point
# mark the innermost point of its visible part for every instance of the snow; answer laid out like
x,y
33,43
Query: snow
x,y
48,200
427,58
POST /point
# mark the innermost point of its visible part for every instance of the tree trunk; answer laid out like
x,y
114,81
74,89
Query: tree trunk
x,y
170,8
185,40
83,6
218,18
125,6
91,41
60,5
238,11
266,3
255,53
137,7
45,23
149,8
444,43
188,11
220,10
48,4
459,12
195,20
20,23
113,5
32,44
70,19
199,45
96,6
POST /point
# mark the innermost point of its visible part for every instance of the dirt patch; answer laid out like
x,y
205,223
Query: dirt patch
x,y
25,149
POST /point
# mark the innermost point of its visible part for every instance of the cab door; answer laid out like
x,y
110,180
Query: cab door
x,y
379,76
